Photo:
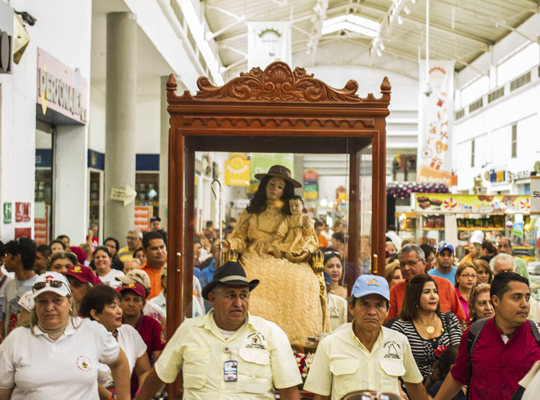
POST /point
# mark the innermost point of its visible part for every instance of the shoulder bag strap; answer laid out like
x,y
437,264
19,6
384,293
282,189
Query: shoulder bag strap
x,y
474,333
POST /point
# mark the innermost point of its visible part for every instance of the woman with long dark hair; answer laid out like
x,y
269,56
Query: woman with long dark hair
x,y
289,291
428,329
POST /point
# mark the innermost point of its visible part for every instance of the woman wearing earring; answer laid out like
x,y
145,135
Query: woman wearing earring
x,y
429,330
55,354
289,292
465,281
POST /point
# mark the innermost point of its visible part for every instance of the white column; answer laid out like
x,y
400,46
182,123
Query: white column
x,y
71,182
121,100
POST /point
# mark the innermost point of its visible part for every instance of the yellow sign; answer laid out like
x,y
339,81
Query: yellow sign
x,y
237,170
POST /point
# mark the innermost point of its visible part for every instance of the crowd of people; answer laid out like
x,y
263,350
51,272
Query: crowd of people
x,y
433,327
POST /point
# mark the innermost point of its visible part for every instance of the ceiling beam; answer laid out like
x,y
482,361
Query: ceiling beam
x,y
440,28
320,15
462,7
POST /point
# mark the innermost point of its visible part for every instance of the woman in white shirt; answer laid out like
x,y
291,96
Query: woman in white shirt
x,y
56,354
102,262
102,304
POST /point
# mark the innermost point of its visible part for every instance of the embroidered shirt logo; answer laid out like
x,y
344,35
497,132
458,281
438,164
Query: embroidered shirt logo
x,y
256,341
392,350
84,364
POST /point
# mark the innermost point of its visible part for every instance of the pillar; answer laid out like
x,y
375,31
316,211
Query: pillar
x,y
71,183
121,96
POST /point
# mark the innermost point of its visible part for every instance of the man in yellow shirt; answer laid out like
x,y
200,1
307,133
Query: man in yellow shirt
x,y
134,241
227,354
365,356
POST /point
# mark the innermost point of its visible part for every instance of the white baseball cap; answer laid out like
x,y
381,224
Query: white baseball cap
x,y
51,282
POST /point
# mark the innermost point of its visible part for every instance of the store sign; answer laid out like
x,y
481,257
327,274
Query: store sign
x,y
535,194
237,169
470,204
8,213
311,184
23,233
22,212
516,176
41,223
142,218
434,134
61,89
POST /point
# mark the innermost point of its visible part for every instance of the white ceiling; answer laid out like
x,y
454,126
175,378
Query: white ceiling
x,y
460,30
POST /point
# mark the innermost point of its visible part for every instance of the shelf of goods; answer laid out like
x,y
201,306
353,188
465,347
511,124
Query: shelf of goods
x,y
495,215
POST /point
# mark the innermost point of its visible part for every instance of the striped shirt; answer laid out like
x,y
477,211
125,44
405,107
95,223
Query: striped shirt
x,y
424,349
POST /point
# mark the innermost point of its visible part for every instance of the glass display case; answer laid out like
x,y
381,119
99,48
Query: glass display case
x,y
265,113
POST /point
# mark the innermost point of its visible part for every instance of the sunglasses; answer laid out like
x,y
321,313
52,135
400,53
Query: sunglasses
x,y
53,284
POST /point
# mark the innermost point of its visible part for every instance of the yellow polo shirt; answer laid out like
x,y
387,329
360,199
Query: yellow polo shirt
x,y
342,364
261,349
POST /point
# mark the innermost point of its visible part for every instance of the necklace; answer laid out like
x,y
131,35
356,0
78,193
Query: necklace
x,y
429,327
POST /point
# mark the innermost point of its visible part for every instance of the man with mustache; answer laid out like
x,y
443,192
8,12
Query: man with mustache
x,y
366,355
505,348
227,353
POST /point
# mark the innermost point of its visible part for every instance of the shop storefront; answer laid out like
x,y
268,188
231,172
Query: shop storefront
x,y
61,104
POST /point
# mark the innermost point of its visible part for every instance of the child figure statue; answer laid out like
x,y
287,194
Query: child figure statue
x,y
295,238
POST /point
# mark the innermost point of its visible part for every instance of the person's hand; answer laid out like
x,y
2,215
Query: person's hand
x,y
90,234
224,246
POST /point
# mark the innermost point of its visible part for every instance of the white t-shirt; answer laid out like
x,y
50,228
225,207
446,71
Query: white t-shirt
x,y
3,290
337,310
109,278
131,342
39,368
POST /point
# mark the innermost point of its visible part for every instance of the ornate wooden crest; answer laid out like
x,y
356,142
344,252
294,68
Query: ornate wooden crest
x,y
279,83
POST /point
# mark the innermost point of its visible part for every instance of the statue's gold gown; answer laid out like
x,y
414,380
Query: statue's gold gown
x,y
289,293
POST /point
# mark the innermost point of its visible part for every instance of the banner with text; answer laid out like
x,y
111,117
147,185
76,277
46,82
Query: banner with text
x,y
535,194
269,41
434,128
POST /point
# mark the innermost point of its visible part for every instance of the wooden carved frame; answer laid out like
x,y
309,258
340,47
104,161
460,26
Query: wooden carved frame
x,y
279,109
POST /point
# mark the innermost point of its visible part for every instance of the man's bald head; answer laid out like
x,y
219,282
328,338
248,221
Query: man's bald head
x,y
503,263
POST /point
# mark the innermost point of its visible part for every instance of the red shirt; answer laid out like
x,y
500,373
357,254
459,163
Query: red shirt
x,y
447,297
151,333
497,368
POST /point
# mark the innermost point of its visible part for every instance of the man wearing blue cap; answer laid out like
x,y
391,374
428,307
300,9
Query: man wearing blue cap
x,y
366,356
445,263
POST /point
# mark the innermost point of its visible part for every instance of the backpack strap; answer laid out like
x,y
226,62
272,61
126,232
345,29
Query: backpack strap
x,y
535,328
474,333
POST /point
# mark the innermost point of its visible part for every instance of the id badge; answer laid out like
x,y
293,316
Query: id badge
x,y
230,371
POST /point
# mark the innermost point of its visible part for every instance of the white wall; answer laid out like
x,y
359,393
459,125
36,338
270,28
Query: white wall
x,y
491,127
63,30
147,135
96,126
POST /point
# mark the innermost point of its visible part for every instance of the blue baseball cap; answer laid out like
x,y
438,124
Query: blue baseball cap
x,y
371,284
445,245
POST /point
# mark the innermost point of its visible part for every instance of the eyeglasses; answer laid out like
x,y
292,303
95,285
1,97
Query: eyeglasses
x,y
409,263
331,252
467,276
53,284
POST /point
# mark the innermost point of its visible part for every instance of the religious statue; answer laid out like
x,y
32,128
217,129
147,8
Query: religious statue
x,y
289,292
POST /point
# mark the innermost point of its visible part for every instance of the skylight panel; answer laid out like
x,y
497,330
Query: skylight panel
x,y
354,23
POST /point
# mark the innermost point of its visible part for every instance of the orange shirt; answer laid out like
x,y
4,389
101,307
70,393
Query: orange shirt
x,y
155,280
447,297
323,241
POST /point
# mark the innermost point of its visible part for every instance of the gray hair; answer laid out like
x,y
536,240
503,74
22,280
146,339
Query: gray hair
x,y
137,232
412,247
503,256
217,290
133,260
